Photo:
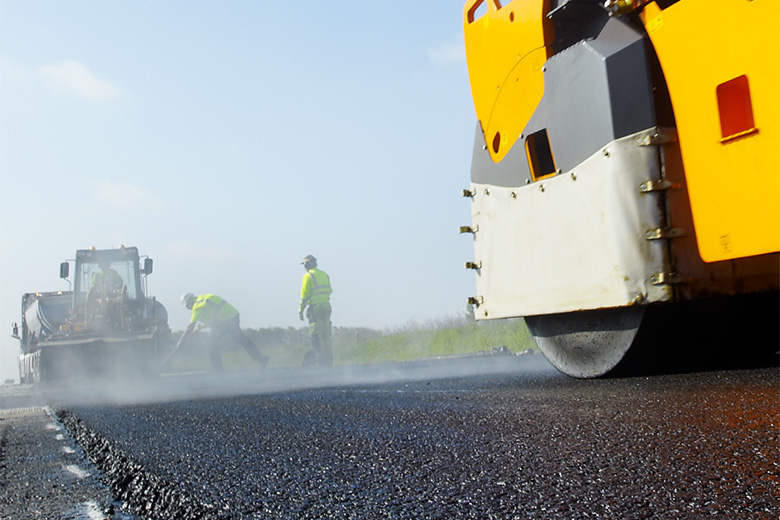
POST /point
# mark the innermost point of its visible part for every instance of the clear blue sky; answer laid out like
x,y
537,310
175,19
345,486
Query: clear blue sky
x,y
227,140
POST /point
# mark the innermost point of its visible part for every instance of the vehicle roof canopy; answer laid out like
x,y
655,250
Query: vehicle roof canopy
x,y
93,255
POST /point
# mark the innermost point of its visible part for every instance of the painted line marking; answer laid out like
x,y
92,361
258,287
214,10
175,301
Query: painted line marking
x,y
77,470
93,511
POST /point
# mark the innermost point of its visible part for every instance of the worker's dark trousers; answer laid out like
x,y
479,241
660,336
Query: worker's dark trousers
x,y
318,315
232,329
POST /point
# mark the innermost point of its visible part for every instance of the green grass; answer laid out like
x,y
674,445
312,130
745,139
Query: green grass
x,y
354,346
442,338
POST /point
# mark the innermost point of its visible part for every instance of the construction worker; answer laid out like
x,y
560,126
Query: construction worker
x,y
106,281
103,296
222,318
315,293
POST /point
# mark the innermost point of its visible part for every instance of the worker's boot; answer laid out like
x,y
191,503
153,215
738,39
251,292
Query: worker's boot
x,y
309,359
324,353
216,359
258,356
312,357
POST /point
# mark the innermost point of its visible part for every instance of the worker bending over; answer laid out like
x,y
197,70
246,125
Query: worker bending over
x,y
222,318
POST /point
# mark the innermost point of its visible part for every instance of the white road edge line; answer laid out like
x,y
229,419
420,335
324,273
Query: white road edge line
x,y
77,470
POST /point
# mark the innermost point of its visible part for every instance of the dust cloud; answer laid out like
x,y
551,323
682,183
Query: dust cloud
x,y
229,383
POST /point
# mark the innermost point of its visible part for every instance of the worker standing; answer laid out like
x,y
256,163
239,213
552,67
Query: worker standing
x,y
315,294
222,318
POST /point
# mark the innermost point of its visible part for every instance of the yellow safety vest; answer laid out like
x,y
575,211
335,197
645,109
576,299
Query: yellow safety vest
x,y
210,308
110,278
315,288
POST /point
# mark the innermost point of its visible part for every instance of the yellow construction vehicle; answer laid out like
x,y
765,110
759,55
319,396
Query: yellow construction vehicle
x,y
106,326
625,178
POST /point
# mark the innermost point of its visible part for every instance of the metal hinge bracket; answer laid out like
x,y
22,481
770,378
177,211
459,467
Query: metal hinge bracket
x,y
661,136
667,279
659,233
660,185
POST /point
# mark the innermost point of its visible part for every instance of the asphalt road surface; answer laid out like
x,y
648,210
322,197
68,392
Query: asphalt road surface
x,y
473,438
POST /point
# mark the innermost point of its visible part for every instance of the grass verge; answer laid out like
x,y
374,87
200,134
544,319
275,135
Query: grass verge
x,y
355,346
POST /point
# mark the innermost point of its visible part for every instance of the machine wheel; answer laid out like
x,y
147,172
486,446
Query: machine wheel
x,y
721,333
586,344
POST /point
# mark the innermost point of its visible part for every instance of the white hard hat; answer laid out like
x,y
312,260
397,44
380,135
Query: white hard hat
x,y
185,298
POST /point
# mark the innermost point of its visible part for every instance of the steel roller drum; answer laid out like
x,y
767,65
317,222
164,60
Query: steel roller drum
x,y
586,344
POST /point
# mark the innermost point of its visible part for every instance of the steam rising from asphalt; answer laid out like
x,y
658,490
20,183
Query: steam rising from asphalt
x,y
204,385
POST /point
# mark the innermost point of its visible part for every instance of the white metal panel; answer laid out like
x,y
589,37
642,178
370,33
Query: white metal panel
x,y
574,241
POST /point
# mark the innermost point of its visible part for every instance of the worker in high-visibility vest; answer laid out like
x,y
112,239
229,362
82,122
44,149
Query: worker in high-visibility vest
x,y
106,281
223,320
315,294
103,299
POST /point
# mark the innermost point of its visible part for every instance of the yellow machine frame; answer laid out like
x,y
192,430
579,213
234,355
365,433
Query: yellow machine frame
x,y
513,38
720,61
